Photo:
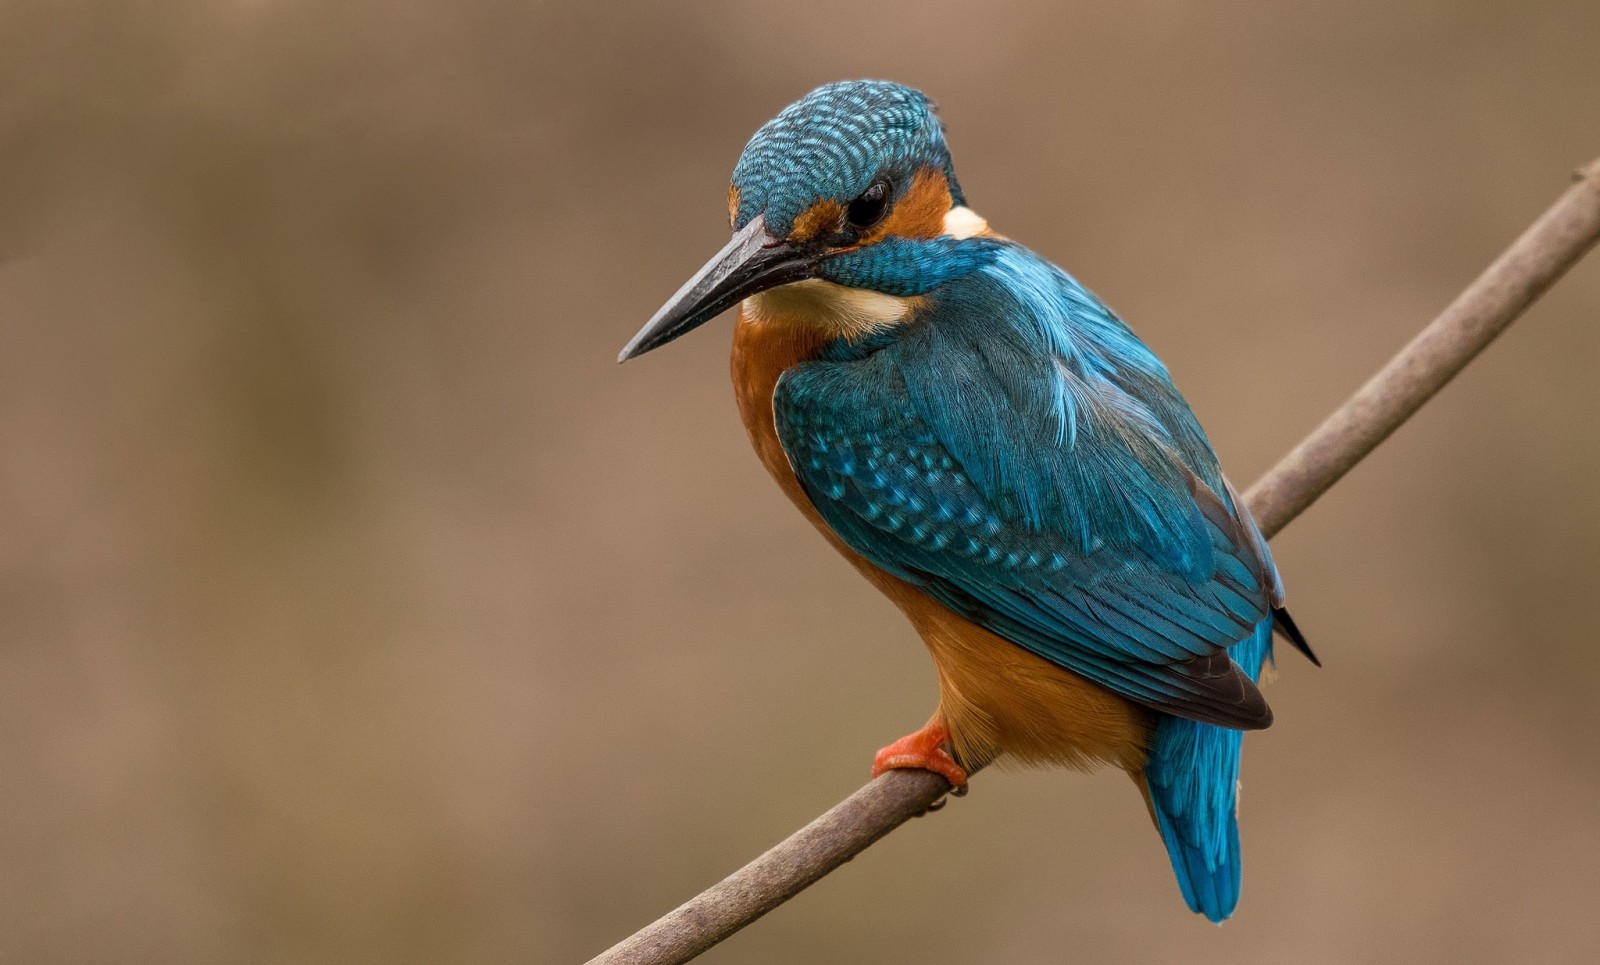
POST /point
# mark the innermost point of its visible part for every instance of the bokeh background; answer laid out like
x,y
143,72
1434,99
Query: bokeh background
x,y
356,607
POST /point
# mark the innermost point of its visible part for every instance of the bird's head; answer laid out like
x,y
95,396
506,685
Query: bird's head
x,y
844,205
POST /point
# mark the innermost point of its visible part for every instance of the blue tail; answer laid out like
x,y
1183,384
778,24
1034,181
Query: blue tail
x,y
1193,777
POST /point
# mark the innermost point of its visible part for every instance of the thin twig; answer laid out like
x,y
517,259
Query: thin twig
x,y
1486,308
1519,276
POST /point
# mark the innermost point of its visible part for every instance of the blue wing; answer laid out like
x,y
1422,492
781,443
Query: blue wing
x,y
1022,458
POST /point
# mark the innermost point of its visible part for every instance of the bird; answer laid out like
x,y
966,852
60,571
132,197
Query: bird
x,y
994,449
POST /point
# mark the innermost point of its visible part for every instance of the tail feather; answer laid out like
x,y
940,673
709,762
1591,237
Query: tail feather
x,y
1192,778
1209,887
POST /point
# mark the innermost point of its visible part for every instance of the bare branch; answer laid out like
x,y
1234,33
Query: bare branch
x,y
1491,303
1486,308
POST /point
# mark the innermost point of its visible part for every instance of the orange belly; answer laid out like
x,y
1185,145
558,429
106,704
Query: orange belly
x,y
995,697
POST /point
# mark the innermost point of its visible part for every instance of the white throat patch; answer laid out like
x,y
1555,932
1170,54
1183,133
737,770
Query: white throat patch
x,y
851,312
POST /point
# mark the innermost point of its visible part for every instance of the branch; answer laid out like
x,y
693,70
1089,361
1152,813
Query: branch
x,y
1488,306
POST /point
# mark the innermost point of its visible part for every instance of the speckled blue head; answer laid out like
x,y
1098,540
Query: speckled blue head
x,y
850,185
832,144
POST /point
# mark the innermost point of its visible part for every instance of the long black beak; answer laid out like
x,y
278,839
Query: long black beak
x,y
752,262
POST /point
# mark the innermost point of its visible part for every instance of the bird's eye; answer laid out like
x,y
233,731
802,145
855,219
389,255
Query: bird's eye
x,y
868,210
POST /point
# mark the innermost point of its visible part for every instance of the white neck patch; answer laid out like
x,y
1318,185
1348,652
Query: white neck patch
x,y
963,222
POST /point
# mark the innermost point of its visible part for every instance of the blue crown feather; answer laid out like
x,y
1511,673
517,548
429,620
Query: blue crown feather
x,y
831,144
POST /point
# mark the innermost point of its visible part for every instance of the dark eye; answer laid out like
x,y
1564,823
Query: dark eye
x,y
868,210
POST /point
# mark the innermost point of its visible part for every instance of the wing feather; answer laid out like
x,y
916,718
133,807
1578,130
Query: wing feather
x,y
1021,456
1129,613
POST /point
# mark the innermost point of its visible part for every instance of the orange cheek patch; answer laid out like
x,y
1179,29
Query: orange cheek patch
x,y
823,217
920,213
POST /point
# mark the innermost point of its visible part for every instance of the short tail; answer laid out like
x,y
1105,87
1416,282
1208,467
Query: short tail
x,y
1192,780
1208,877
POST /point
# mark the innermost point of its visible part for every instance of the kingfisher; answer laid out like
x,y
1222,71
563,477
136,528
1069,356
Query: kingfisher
x,y
998,453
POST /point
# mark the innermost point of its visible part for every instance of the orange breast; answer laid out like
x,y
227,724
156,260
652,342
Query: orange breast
x,y
995,697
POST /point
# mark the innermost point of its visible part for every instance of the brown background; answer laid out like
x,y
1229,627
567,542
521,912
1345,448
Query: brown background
x,y
355,607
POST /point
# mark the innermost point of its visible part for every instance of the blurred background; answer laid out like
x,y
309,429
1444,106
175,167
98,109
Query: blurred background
x,y
356,607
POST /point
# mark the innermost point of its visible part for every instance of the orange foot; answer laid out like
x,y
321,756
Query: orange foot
x,y
926,750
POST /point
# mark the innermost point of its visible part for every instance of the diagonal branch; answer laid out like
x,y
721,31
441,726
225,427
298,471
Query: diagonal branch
x,y
1485,309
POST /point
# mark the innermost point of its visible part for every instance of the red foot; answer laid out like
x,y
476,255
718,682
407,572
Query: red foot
x,y
926,750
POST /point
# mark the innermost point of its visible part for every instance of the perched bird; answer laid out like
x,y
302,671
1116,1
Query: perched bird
x,y
994,449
